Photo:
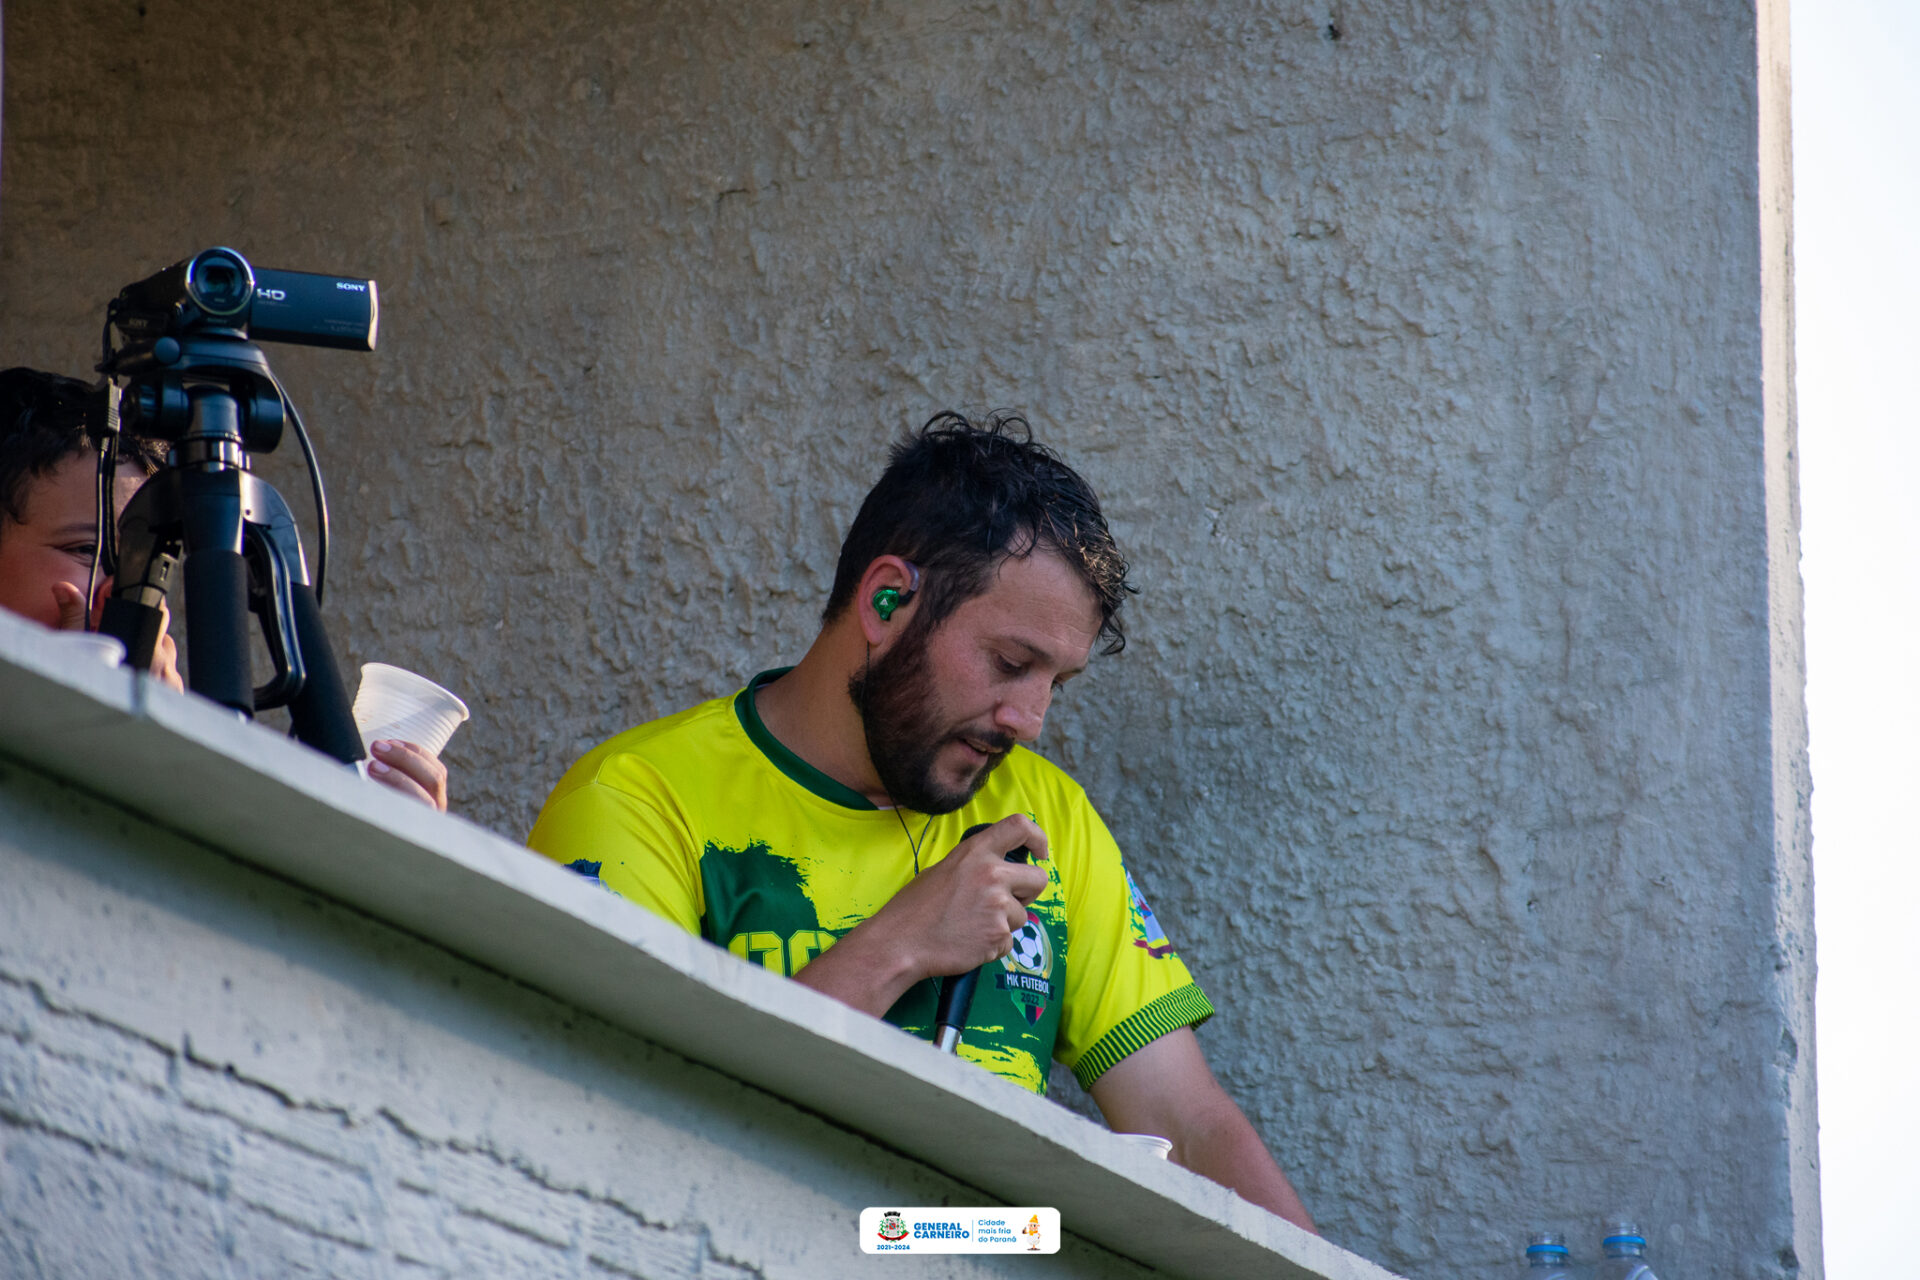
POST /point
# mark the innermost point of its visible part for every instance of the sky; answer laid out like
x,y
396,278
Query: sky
x,y
1856,158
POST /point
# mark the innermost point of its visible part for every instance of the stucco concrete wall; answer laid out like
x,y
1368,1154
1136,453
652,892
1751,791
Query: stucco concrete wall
x,y
208,1072
1417,348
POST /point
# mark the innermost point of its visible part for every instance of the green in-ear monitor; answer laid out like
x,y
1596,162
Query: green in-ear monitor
x,y
887,599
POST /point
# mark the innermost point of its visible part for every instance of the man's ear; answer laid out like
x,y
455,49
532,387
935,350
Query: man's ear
x,y
886,598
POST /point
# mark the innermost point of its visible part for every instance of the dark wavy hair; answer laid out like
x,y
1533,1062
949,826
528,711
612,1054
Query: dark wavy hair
x,y
959,497
42,424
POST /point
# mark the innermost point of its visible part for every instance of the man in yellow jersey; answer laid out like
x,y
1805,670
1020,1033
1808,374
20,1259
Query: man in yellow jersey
x,y
813,821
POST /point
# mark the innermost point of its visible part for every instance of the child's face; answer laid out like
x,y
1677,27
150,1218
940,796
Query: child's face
x,y
53,542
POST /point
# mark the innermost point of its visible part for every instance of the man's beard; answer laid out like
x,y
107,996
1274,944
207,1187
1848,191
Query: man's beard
x,y
900,715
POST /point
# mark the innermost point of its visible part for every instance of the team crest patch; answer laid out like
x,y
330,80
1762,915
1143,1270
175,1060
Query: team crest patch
x,y
1148,935
1028,970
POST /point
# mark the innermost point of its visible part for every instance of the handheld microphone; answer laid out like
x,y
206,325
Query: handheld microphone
x,y
956,992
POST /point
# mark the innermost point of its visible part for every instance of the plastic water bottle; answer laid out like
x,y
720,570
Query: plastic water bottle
x,y
1547,1257
1626,1251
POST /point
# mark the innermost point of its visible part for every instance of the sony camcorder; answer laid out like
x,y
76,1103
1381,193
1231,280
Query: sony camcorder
x,y
197,321
219,289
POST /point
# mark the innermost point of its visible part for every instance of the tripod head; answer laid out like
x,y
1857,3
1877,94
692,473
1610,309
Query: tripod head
x,y
188,372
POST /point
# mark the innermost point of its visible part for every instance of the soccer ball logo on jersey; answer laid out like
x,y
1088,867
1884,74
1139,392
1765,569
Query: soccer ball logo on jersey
x,y
1032,949
1028,970
1148,935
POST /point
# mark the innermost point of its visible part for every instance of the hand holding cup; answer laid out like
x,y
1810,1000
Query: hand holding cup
x,y
405,721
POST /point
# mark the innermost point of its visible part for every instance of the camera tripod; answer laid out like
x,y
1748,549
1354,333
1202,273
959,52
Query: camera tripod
x,y
231,535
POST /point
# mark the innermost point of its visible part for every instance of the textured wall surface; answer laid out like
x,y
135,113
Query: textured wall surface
x,y
1417,348
207,1072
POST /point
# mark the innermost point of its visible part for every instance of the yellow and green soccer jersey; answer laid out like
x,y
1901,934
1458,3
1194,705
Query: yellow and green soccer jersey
x,y
706,819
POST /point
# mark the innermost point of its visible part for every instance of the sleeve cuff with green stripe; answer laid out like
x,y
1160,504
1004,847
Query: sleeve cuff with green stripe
x,y
1186,1006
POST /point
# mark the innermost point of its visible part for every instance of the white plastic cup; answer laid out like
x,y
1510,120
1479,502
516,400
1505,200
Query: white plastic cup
x,y
1152,1143
396,703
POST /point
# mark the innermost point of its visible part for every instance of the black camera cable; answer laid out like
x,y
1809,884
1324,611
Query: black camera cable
x,y
319,492
106,532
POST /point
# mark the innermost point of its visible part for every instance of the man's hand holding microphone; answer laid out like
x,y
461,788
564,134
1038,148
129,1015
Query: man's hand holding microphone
x,y
955,916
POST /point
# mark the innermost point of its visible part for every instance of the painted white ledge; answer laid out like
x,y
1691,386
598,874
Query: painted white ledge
x,y
188,765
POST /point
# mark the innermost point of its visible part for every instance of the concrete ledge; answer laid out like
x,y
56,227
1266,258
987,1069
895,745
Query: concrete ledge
x,y
185,764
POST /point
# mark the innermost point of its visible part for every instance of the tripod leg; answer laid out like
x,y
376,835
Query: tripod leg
x,y
219,658
219,665
134,625
322,713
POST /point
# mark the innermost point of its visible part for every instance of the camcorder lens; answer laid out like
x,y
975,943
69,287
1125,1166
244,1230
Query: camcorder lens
x,y
220,283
